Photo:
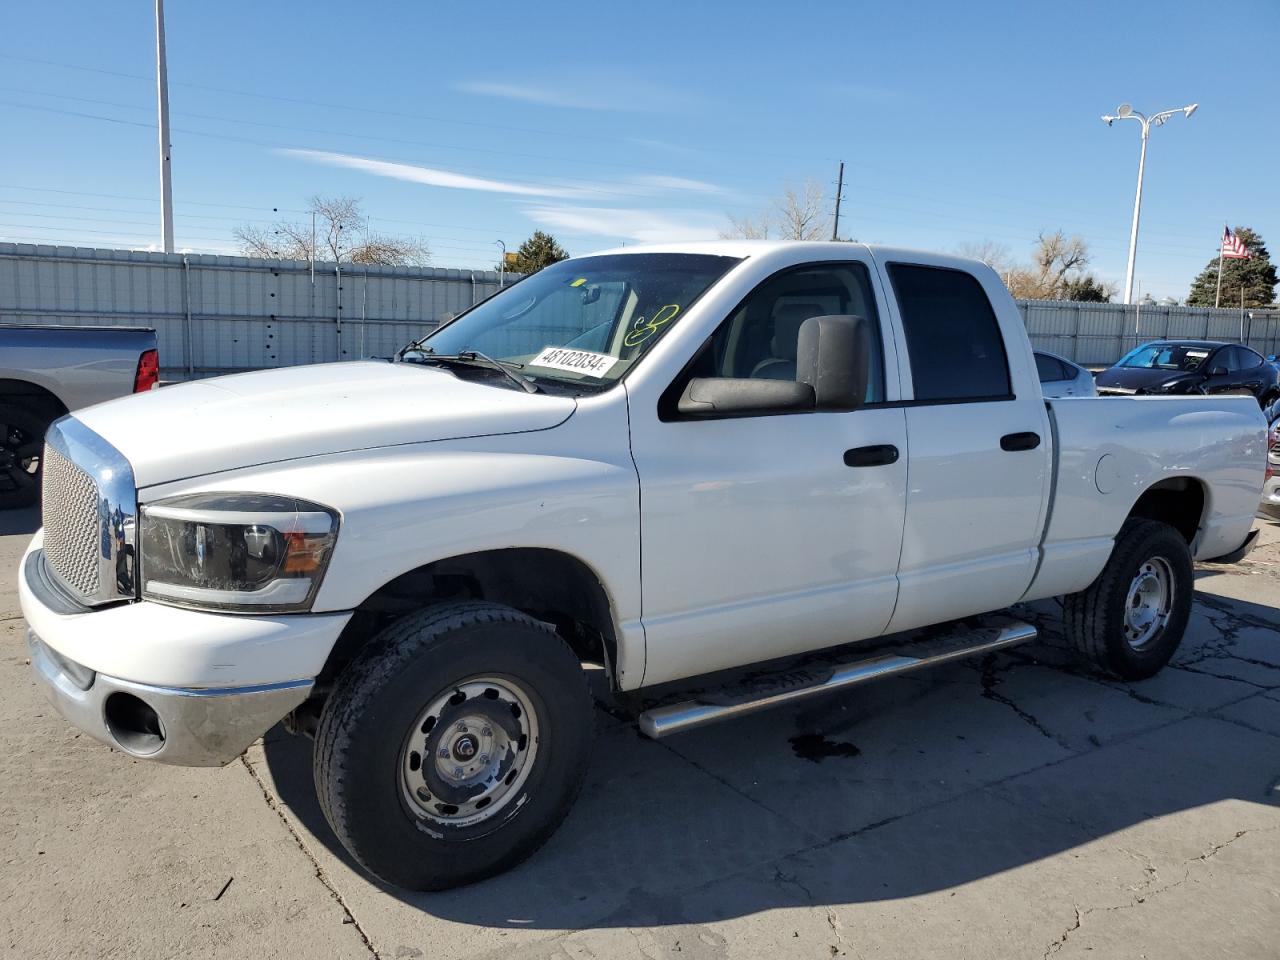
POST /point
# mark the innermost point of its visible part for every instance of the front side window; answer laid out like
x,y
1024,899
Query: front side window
x,y
584,321
953,338
758,339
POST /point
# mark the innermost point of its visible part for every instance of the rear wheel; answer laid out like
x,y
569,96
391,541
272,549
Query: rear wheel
x,y
1129,621
22,431
454,745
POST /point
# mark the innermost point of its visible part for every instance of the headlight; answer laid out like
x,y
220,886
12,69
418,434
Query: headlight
x,y
247,552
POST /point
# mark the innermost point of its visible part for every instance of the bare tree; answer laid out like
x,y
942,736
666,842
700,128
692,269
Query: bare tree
x,y
745,228
341,236
796,215
995,255
803,216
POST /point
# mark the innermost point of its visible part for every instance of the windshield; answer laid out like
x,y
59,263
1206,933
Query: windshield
x,y
1166,356
585,321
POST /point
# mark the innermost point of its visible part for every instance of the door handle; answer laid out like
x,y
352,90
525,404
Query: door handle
x,y
877,455
1020,441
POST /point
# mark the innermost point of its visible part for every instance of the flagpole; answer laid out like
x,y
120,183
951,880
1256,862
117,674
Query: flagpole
x,y
1222,242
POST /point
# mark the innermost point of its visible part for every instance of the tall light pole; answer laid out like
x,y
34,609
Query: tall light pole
x,y
162,96
502,264
1126,112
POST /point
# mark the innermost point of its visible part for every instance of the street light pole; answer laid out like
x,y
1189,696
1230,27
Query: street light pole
x,y
502,264
1126,112
162,95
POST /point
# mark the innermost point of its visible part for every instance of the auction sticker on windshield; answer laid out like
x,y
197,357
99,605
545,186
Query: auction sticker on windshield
x,y
575,361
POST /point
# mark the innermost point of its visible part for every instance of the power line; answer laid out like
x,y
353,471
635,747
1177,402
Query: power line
x,y
365,109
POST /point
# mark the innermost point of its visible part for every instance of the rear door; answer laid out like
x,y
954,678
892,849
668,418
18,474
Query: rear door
x,y
978,443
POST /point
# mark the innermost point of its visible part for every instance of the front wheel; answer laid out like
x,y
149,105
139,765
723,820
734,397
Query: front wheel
x,y
453,746
1130,620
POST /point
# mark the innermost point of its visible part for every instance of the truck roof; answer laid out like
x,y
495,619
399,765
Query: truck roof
x,y
820,249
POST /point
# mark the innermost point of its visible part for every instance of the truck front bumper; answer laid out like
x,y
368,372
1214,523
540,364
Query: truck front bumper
x,y
188,726
178,686
1271,497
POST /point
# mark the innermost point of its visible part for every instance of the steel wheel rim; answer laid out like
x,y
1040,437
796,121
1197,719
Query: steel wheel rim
x,y
19,457
469,752
1149,603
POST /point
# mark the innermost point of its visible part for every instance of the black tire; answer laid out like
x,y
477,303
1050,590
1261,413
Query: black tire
x,y
368,728
22,430
1097,618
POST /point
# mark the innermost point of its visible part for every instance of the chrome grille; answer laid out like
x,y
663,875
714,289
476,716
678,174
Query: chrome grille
x,y
71,523
90,508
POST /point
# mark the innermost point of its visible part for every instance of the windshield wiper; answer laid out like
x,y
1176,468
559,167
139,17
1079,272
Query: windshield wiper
x,y
476,358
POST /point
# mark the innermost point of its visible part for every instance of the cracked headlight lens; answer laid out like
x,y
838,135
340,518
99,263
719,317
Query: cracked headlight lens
x,y
246,552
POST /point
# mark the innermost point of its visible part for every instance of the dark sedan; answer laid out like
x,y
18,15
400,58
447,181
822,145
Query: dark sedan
x,y
1191,366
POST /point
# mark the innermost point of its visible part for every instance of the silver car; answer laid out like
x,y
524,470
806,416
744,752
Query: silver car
x,y
1271,487
1059,377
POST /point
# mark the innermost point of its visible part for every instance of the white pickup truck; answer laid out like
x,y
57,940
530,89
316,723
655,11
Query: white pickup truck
x,y
669,462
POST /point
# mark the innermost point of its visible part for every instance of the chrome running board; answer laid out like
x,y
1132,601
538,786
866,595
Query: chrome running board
x,y
808,681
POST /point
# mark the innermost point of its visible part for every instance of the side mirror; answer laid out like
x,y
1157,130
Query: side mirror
x,y
833,355
1218,372
727,397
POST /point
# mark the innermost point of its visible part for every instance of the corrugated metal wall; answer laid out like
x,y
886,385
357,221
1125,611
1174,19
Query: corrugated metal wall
x,y
221,314
1099,333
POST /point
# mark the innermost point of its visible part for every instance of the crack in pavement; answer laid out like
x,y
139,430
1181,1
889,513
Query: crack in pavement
x,y
349,917
1056,945
990,673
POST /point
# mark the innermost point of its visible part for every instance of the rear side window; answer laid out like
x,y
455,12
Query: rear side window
x,y
953,338
1050,369
1245,359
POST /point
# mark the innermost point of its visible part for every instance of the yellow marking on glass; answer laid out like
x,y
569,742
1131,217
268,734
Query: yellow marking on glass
x,y
643,329
579,282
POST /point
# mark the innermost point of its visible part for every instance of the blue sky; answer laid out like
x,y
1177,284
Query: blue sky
x,y
470,123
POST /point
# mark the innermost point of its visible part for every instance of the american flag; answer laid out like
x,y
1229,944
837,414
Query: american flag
x,y
1233,247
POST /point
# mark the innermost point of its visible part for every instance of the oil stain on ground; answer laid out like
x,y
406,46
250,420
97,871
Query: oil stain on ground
x,y
816,748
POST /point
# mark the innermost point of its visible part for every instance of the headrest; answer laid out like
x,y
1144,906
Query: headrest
x,y
786,327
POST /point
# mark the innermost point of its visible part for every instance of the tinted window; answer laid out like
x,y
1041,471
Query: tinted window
x,y
953,338
1243,359
758,339
1050,369
1228,358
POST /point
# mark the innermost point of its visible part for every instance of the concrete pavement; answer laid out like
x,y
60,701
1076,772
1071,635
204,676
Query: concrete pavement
x,y
1014,806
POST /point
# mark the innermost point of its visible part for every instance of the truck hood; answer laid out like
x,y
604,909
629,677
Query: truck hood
x,y
192,429
1140,378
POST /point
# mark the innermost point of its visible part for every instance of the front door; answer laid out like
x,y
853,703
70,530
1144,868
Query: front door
x,y
758,538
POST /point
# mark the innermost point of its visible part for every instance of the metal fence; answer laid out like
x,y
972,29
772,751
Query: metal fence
x,y
222,314
1096,334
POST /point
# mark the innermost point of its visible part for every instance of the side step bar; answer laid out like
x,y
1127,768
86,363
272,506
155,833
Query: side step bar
x,y
805,682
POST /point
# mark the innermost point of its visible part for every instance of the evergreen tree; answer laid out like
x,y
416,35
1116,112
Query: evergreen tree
x,y
1257,275
540,250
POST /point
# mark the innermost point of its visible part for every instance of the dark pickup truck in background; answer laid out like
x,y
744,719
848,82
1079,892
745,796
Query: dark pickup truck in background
x,y
49,371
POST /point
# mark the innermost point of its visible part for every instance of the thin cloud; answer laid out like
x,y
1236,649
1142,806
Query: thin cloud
x,y
430,176
542,95
659,182
592,90
433,177
642,226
